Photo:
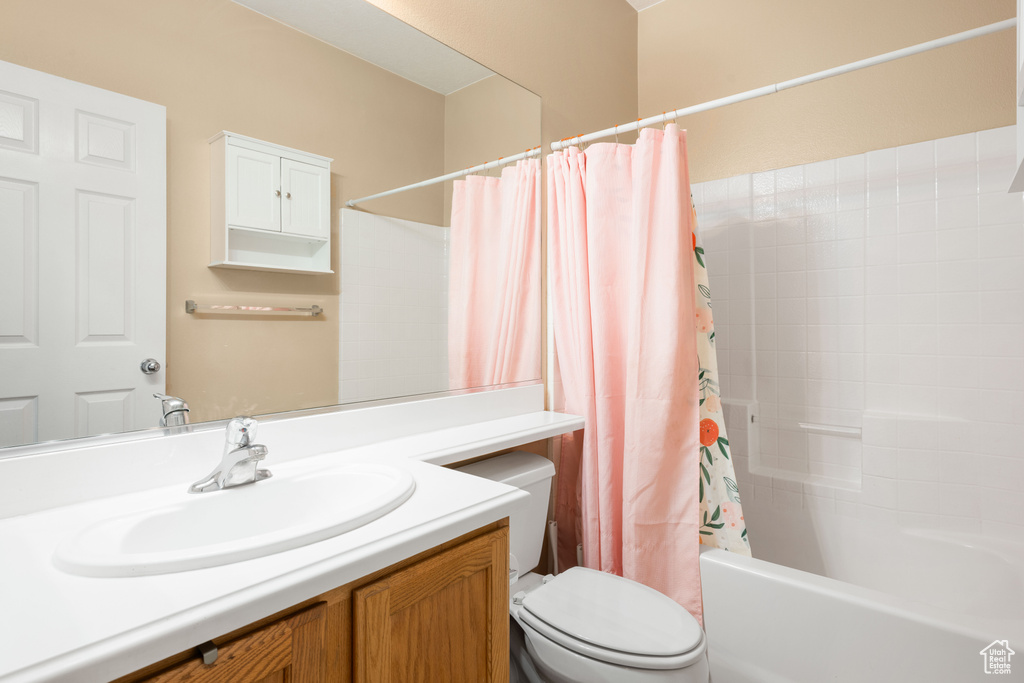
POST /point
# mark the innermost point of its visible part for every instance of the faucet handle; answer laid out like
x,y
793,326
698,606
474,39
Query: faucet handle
x,y
241,431
173,410
171,403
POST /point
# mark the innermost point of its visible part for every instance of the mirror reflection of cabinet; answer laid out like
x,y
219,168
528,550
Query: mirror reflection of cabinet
x,y
270,206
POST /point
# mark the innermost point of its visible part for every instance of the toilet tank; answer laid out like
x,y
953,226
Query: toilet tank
x,y
531,473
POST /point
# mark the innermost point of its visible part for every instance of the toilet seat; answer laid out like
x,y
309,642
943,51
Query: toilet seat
x,y
613,620
608,656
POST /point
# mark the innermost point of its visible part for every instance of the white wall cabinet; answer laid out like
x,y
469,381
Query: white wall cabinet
x,y
270,206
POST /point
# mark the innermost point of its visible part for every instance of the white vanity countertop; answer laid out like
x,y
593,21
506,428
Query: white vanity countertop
x,y
56,626
455,444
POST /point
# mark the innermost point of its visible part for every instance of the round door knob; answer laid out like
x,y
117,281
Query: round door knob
x,y
287,195
150,366
277,193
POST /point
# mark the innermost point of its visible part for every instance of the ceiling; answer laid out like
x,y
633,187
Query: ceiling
x,y
642,4
359,28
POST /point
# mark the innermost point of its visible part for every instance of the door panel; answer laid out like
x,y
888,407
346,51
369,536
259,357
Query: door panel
x,y
103,412
19,123
19,263
82,257
104,141
19,421
105,268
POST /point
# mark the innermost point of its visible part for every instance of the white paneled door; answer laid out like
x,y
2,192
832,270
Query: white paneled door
x,y
82,258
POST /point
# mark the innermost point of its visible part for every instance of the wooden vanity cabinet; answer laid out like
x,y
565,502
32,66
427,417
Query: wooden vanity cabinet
x,y
442,619
289,650
439,616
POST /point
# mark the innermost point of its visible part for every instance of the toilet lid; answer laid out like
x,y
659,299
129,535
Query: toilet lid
x,y
614,613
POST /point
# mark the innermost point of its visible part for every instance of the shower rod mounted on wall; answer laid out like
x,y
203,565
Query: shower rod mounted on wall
x,y
451,176
706,106
785,85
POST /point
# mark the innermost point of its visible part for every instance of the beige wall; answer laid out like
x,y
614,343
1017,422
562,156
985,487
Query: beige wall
x,y
595,63
217,66
489,119
692,52
578,55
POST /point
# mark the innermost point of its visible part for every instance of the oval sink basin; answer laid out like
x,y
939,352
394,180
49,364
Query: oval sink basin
x,y
210,529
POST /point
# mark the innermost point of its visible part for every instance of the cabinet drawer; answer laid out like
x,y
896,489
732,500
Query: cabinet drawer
x,y
286,651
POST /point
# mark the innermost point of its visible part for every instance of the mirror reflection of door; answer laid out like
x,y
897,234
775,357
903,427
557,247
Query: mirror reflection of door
x,y
82,268
262,68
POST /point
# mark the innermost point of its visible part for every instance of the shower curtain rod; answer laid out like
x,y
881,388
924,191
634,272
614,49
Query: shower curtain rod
x,y
451,176
785,85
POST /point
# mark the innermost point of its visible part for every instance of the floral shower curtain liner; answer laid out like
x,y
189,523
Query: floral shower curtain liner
x,y
721,515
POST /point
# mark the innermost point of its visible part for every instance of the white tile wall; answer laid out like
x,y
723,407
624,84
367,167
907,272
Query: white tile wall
x,y
883,291
394,307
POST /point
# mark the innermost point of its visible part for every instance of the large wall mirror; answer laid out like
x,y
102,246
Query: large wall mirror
x,y
338,78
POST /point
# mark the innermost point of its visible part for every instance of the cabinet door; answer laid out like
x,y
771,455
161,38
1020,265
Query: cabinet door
x,y
290,650
442,619
306,207
253,189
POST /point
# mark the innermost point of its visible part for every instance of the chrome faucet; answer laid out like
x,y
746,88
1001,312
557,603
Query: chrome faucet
x,y
238,462
174,411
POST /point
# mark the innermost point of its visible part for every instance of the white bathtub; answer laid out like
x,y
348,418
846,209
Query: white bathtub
x,y
895,607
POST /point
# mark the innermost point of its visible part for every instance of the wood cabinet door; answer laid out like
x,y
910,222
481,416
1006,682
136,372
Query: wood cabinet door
x,y
253,189
290,650
306,207
442,619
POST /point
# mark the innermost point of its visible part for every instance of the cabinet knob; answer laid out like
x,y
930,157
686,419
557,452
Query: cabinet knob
x,y
277,193
288,195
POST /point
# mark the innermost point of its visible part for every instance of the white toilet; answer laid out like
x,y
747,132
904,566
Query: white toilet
x,y
585,626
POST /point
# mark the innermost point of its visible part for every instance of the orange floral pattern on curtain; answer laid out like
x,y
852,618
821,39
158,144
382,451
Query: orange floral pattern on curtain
x,y
721,513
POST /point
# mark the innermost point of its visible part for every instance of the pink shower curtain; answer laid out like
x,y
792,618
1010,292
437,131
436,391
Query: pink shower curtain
x,y
620,230
494,317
